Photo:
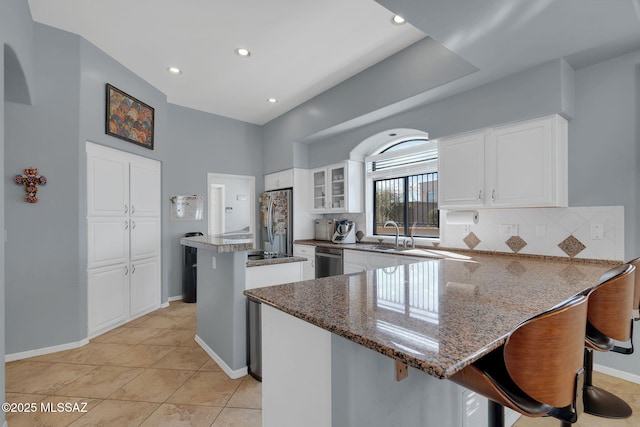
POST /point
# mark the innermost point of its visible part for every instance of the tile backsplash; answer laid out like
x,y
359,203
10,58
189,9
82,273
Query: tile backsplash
x,y
562,232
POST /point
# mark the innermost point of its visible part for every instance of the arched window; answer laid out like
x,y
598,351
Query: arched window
x,y
403,178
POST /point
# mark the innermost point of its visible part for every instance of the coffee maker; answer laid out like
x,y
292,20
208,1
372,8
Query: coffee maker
x,y
344,232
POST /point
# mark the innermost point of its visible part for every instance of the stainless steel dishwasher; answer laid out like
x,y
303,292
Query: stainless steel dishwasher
x,y
328,262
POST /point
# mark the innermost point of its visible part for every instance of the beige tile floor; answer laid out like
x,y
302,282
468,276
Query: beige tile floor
x,y
149,372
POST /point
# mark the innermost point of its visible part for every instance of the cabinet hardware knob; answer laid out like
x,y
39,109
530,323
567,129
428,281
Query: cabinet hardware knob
x,y
493,195
133,268
133,225
126,209
133,209
126,225
126,270
480,195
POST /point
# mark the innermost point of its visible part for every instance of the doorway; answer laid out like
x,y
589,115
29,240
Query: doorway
x,y
231,204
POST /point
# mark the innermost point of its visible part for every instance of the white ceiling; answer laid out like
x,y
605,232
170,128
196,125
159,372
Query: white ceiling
x,y
299,48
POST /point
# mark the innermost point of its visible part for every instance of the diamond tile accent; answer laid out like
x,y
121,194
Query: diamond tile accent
x,y
571,246
471,240
516,243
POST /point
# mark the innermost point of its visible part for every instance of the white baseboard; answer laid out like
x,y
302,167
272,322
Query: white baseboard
x,y
233,374
164,305
176,298
617,373
42,351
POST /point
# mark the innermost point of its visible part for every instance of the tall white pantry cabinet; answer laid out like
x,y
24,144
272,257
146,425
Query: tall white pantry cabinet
x,y
123,251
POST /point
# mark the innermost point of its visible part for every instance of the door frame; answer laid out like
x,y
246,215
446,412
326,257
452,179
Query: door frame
x,y
218,179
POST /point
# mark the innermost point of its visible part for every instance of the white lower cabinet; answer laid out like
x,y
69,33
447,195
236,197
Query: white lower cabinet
x,y
144,295
273,274
108,289
308,266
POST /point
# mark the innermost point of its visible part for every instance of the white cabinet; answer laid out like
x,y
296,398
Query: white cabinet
x,y
517,165
272,274
277,180
144,298
337,188
108,295
461,170
308,266
123,237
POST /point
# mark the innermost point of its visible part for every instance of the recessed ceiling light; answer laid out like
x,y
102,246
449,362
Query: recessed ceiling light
x,y
398,20
174,70
272,100
242,52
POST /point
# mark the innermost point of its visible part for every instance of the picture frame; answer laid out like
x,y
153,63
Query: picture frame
x,y
128,118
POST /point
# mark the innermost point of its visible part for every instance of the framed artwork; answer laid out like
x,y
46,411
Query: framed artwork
x,y
129,118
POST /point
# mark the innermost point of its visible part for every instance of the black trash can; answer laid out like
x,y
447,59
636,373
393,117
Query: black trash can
x,y
190,270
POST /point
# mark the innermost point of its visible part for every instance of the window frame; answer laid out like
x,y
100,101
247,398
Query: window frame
x,y
403,171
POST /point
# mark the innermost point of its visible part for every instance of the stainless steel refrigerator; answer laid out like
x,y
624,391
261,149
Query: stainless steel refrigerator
x,y
276,221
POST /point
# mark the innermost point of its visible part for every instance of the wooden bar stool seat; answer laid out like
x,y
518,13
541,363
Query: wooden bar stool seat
x,y
538,370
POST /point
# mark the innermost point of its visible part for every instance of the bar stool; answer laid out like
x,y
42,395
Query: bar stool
x,y
538,370
608,319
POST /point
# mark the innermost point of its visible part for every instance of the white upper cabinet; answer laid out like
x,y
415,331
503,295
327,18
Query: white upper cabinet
x,y
108,183
145,192
278,180
517,165
337,188
461,170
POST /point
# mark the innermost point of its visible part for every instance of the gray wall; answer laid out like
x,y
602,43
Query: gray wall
x,y
202,143
48,288
15,35
42,288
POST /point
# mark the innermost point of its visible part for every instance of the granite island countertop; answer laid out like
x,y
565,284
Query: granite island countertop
x,y
220,243
438,315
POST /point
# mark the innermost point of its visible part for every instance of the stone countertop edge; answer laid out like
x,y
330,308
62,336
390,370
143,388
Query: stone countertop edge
x,y
231,243
376,346
442,252
275,261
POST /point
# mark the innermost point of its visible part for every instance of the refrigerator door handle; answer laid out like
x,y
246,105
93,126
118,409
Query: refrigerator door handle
x,y
270,221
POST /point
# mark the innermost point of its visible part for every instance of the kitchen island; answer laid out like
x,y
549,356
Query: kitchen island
x,y
221,328
331,346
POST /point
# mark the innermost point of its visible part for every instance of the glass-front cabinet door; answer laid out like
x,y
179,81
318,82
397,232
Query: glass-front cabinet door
x,y
320,189
337,188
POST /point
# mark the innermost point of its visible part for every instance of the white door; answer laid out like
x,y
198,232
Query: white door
x,y
108,241
145,187
145,237
108,295
107,185
145,292
216,209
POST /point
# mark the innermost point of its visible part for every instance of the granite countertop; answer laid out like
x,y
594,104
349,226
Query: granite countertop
x,y
439,315
220,243
273,261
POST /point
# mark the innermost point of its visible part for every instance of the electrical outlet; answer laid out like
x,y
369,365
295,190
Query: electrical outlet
x,y
597,231
213,262
508,229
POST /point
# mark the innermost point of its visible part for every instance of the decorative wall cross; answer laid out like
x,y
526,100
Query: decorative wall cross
x,y
31,180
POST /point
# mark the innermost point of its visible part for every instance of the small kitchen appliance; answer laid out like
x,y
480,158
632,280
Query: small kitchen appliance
x,y
344,231
324,229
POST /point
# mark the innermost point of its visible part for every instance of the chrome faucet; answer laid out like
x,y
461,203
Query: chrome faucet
x,y
397,230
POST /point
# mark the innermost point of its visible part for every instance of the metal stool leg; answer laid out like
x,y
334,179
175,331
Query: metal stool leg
x,y
600,402
496,414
